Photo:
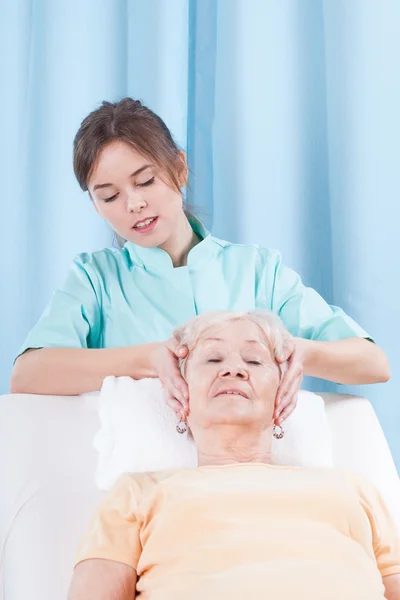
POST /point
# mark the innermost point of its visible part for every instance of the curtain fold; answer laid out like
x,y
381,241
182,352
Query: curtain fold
x,y
289,112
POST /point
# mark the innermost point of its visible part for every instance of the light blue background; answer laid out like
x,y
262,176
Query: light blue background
x,y
289,110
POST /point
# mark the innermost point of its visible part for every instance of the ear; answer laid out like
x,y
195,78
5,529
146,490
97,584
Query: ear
x,y
183,171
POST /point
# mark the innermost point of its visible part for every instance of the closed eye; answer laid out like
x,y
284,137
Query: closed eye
x,y
110,199
214,360
146,183
253,362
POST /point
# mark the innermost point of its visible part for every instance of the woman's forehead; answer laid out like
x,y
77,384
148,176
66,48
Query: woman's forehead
x,y
238,332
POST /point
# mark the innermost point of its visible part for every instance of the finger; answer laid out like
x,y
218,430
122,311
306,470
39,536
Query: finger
x,y
171,393
291,393
179,410
182,351
181,385
289,401
287,350
176,380
295,369
286,413
176,348
181,415
173,403
286,399
179,389
172,344
289,377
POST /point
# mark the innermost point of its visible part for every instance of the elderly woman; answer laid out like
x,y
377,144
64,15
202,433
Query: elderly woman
x,y
238,526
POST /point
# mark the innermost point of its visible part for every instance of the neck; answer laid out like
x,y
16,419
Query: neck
x,y
181,242
227,444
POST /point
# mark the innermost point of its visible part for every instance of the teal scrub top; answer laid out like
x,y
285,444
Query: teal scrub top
x,y
134,295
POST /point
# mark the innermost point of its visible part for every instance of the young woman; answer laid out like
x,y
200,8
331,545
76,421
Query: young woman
x,y
117,308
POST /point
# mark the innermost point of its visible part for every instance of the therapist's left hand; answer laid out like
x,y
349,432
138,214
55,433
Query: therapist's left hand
x,y
286,400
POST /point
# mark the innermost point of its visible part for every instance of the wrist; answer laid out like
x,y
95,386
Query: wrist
x,y
153,355
141,361
310,350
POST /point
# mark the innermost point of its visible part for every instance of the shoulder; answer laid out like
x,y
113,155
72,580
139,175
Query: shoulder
x,y
265,256
101,264
360,484
139,486
148,479
107,257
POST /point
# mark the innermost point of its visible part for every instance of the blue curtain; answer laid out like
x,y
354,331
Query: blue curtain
x,y
289,111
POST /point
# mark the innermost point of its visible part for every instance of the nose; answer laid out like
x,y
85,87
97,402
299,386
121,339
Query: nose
x,y
135,205
233,372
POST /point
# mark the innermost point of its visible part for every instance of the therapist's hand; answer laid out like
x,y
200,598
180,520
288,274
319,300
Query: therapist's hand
x,y
286,400
166,364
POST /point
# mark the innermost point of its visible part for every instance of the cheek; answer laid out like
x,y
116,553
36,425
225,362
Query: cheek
x,y
199,381
98,206
166,199
268,384
108,211
195,386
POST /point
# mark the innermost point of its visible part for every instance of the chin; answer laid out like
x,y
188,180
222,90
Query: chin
x,y
158,237
235,415
146,241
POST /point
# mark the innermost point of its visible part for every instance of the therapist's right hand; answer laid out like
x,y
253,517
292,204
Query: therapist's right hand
x,y
166,364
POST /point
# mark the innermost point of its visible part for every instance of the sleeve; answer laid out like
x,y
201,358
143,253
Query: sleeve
x,y
114,532
386,537
73,317
303,311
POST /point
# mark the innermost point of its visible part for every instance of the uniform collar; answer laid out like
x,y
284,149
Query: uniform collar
x,y
156,259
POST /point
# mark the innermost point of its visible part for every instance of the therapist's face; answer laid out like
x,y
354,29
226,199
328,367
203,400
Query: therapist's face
x,y
135,197
232,378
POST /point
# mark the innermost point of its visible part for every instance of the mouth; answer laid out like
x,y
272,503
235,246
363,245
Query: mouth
x,y
232,392
145,225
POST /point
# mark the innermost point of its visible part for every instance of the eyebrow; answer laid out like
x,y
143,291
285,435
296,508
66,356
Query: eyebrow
x,y
215,339
100,186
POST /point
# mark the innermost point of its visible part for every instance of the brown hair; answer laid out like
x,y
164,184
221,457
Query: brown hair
x,y
129,121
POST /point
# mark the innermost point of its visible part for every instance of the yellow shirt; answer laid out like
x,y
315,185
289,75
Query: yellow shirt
x,y
252,531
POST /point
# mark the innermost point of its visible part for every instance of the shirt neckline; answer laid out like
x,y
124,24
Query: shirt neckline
x,y
249,464
159,260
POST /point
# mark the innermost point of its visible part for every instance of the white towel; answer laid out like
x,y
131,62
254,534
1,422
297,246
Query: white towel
x,y
138,432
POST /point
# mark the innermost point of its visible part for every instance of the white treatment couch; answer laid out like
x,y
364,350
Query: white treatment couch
x,y
48,495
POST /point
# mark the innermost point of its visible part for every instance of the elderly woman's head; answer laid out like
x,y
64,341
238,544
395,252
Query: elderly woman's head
x,y
231,369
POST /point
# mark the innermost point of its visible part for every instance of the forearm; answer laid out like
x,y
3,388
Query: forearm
x,y
392,587
100,579
72,371
352,361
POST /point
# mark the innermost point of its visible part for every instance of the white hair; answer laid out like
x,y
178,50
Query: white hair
x,y
272,328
